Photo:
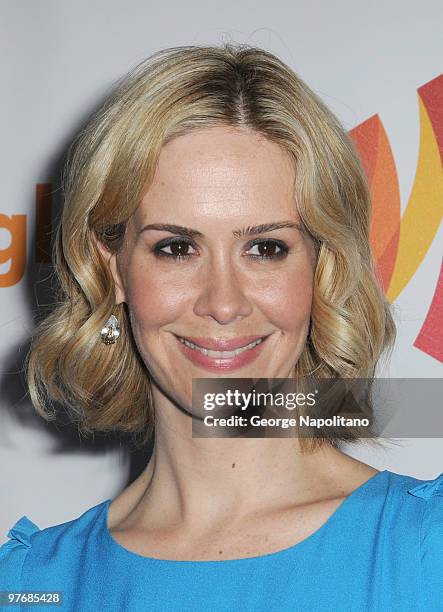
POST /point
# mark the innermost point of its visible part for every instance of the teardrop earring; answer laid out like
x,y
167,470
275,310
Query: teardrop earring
x,y
111,331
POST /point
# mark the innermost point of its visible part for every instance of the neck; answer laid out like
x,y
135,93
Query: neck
x,y
202,481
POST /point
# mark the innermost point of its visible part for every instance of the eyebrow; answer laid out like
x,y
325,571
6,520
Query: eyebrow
x,y
251,230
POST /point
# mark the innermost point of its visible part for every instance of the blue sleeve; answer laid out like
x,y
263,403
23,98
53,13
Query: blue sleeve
x,y
431,547
13,554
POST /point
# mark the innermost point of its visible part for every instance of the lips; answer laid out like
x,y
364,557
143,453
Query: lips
x,y
240,352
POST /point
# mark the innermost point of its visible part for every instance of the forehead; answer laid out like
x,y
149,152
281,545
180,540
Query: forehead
x,y
220,169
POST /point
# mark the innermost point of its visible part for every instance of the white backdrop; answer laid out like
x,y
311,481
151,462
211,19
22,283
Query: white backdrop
x,y
58,60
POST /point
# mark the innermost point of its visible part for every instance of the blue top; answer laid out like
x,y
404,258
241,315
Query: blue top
x,y
381,550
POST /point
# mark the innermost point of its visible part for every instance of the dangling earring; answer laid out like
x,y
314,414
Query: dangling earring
x,y
111,331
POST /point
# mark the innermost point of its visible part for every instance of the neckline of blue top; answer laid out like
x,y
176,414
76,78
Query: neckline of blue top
x,y
339,512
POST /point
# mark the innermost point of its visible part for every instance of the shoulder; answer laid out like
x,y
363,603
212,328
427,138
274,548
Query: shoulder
x,y
28,545
13,553
430,494
415,499
414,532
407,513
425,496
405,489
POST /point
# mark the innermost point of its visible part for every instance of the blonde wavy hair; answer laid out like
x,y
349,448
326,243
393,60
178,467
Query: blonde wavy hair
x,y
109,168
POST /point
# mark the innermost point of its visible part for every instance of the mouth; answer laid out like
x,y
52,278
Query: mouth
x,y
241,351
221,354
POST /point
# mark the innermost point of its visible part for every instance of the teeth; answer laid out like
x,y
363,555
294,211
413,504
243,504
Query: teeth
x,y
221,354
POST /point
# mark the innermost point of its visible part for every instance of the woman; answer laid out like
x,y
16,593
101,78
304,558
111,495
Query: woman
x,y
216,225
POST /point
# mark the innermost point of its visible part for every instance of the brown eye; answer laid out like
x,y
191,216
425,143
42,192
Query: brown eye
x,y
178,249
269,249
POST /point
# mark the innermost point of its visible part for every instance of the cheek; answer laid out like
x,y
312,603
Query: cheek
x,y
287,298
152,300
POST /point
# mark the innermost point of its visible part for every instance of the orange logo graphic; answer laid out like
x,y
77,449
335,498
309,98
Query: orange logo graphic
x,y
400,244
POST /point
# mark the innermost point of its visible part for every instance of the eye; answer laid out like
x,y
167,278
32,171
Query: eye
x,y
178,249
269,249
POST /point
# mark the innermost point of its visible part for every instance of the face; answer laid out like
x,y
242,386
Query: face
x,y
215,255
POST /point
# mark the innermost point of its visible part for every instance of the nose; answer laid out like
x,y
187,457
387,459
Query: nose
x,y
221,293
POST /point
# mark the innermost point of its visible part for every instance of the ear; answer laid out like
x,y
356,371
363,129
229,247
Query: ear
x,y
120,295
111,259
